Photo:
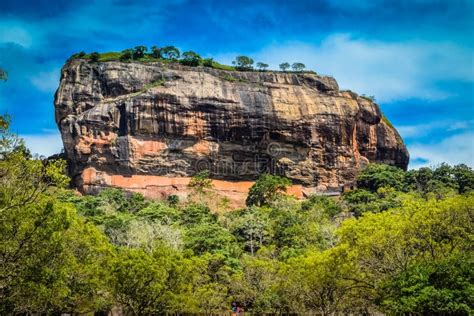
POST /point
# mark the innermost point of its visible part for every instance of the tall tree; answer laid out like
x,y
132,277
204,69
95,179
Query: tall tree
x,y
139,51
262,66
284,66
298,66
170,52
243,62
266,189
155,52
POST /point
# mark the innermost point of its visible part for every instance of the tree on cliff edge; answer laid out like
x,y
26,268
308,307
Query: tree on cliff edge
x,y
191,58
155,52
243,63
170,52
298,66
284,66
139,52
262,66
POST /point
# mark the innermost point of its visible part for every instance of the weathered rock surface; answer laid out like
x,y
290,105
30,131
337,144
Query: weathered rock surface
x,y
150,127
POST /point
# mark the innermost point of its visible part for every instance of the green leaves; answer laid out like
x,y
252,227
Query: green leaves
x,y
200,182
169,52
266,189
284,66
376,176
407,250
243,63
442,286
191,58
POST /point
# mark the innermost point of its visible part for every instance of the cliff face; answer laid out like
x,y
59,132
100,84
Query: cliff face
x,y
149,127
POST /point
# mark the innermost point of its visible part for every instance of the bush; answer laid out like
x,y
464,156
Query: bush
x,y
191,59
94,57
173,200
126,55
208,62
266,189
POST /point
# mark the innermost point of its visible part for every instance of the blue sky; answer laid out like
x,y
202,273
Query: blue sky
x,y
415,57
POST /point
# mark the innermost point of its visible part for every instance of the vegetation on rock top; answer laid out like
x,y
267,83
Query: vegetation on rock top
x,y
170,54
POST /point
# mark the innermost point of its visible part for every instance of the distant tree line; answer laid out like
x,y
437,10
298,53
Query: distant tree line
x,y
187,58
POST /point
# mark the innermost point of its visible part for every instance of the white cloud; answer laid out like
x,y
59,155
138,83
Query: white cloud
x,y
44,144
409,131
453,150
46,81
17,32
388,70
420,130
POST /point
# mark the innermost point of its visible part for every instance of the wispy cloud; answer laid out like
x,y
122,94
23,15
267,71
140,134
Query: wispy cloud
x,y
46,81
420,130
44,144
386,69
453,150
419,66
15,31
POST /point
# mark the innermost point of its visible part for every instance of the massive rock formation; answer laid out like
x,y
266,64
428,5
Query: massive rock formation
x,y
149,127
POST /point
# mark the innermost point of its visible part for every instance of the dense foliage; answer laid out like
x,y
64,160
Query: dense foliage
x,y
399,243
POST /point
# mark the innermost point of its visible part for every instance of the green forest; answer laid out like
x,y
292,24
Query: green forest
x,y
401,242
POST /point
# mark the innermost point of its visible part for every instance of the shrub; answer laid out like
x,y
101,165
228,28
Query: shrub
x,y
126,55
266,189
173,199
139,52
191,59
207,62
94,57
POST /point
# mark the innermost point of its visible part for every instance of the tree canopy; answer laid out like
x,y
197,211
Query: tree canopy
x,y
399,243
243,63
266,188
169,52
284,66
298,66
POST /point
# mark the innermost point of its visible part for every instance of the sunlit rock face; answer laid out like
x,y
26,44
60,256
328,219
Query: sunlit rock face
x,y
150,127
